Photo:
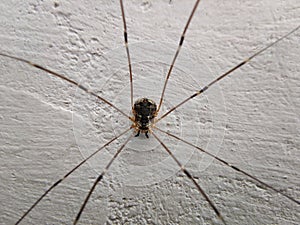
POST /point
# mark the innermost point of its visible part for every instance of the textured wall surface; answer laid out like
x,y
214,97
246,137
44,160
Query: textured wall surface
x,y
250,119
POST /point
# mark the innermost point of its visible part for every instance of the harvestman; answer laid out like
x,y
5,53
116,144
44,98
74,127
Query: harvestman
x,y
144,118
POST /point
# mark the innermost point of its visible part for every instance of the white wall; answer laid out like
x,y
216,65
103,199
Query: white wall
x,y
250,119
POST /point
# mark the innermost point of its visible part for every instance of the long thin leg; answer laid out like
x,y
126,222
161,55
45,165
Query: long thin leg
x,y
176,54
67,174
127,52
68,80
192,179
99,178
227,73
228,164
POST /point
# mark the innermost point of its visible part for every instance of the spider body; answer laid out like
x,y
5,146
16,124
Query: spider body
x,y
144,111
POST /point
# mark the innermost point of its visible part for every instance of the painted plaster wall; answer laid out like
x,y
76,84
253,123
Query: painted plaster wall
x,y
250,119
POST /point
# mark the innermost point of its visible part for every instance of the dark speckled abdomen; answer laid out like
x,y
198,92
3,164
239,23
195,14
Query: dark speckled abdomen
x,y
144,111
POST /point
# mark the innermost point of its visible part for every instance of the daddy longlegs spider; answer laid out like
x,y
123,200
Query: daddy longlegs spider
x,y
28,153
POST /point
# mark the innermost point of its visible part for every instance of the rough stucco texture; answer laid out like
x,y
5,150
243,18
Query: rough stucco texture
x,y
250,119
